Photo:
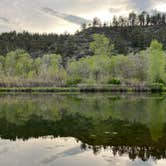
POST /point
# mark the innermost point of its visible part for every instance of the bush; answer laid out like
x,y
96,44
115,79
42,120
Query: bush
x,y
157,87
74,81
161,81
114,81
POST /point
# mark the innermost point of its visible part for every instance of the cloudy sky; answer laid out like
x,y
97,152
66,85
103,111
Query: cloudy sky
x,y
65,15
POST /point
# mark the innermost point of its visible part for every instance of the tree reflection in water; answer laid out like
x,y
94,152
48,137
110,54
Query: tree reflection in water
x,y
133,125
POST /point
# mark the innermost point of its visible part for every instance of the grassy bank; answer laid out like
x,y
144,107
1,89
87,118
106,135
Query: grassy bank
x,y
88,88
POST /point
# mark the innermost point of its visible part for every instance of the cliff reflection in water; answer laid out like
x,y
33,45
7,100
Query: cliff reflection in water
x,y
129,124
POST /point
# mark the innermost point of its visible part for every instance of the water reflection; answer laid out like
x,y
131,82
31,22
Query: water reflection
x,y
113,127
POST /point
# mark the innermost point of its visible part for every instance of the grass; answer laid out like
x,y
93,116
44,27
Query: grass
x,y
86,88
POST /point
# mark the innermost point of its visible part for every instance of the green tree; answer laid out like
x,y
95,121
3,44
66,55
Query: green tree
x,y
148,19
78,71
50,68
2,63
132,18
115,21
18,63
121,67
101,45
90,69
156,72
96,22
142,18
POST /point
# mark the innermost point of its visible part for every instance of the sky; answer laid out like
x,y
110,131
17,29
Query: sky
x,y
59,16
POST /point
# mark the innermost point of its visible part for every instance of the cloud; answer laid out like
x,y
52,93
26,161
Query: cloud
x,y
121,9
71,18
141,5
63,15
4,19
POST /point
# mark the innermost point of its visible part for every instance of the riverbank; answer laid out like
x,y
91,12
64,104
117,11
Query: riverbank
x,y
90,88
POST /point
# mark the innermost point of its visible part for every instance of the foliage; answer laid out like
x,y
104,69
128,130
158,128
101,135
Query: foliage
x,y
101,45
114,81
18,63
17,68
156,72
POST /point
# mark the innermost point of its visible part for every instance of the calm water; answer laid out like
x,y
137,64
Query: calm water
x,y
83,129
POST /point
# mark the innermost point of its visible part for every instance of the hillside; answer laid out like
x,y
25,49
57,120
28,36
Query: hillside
x,y
125,39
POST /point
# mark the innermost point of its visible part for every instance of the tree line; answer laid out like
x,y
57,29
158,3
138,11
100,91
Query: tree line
x,y
103,67
134,19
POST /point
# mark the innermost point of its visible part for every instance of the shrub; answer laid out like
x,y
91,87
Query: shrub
x,y
74,81
157,87
114,81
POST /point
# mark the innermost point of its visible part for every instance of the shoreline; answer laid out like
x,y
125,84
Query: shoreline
x,y
86,89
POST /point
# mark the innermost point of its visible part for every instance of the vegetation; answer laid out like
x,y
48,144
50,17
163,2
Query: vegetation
x,y
145,68
156,63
